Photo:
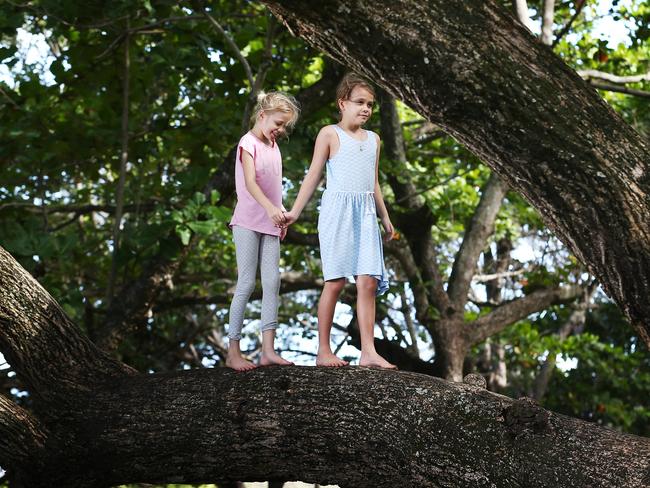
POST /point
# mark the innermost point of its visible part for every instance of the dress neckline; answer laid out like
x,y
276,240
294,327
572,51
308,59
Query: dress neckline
x,y
353,138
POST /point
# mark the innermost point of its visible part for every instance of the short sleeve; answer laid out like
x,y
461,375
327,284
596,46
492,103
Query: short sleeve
x,y
248,144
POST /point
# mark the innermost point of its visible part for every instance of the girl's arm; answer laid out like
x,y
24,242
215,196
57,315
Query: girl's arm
x,y
309,184
274,213
382,213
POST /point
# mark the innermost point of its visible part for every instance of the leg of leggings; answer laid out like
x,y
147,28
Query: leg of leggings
x,y
247,244
270,273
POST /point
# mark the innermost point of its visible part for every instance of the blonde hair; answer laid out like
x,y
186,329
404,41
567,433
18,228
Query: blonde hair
x,y
349,82
276,101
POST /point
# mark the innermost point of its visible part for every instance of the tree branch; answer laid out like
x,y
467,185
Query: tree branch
x,y
574,323
233,46
548,14
290,282
620,89
369,424
521,10
42,344
22,436
558,37
510,312
479,229
588,74
124,156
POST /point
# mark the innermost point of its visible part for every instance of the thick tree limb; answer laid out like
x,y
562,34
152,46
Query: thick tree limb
x,y
479,229
510,312
347,426
470,68
41,343
22,436
372,427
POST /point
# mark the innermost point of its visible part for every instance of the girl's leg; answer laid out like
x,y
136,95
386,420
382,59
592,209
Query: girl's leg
x,y
269,258
366,289
326,305
247,248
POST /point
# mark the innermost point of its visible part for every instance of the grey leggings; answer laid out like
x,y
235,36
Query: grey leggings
x,y
253,247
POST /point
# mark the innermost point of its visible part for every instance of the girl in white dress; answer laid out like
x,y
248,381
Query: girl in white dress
x,y
350,239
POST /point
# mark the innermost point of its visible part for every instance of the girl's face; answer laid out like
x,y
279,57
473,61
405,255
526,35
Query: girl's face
x,y
272,125
357,109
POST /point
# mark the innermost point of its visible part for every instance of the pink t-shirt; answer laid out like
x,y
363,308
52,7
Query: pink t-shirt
x,y
268,175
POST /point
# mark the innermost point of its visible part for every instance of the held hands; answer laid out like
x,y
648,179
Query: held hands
x,y
290,217
276,216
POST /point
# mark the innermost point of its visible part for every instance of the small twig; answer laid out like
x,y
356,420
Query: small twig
x,y
579,6
620,89
601,75
233,46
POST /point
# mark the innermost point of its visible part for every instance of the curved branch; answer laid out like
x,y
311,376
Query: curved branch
x,y
471,68
510,312
479,229
601,75
233,46
22,437
558,37
42,344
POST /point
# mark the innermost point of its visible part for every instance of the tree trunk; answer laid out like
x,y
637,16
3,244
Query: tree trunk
x,y
471,68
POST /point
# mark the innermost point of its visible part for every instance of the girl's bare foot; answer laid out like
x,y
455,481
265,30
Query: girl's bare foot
x,y
238,363
270,358
374,360
330,360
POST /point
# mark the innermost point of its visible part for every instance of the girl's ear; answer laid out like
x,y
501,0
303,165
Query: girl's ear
x,y
339,102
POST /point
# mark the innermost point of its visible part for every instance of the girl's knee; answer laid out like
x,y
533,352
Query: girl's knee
x,y
245,287
335,286
366,283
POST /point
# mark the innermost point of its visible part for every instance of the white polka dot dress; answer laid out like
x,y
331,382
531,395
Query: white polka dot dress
x,y
350,239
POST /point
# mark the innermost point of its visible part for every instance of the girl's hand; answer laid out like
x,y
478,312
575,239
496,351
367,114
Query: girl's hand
x,y
389,229
290,217
283,233
276,216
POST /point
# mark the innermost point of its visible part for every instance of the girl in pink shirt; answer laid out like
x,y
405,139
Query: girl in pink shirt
x,y
258,224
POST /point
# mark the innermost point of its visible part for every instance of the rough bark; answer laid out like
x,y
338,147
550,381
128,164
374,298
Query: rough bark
x,y
349,426
475,71
22,438
54,359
